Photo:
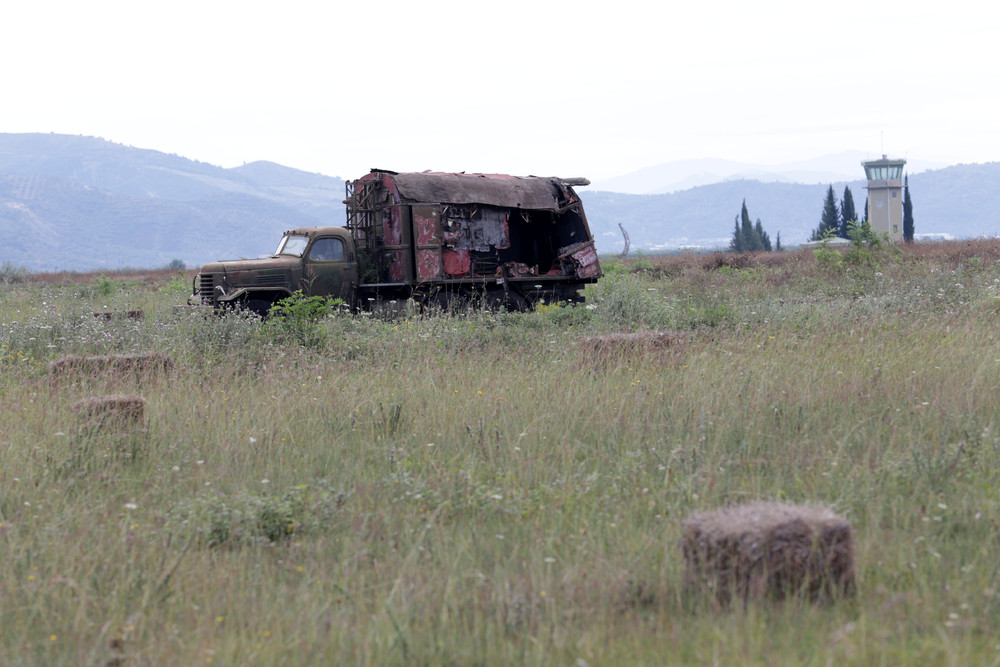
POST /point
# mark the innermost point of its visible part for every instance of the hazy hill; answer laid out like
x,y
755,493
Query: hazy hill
x,y
958,202
683,174
80,203
69,202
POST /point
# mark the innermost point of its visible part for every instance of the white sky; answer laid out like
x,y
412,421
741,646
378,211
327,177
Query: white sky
x,y
518,86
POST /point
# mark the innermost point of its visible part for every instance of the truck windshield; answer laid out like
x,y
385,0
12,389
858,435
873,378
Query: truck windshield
x,y
292,244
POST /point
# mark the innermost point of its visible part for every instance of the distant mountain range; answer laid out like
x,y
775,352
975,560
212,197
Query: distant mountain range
x,y
82,203
679,175
962,201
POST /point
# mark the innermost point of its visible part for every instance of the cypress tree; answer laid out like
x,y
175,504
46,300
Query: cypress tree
x,y
829,222
748,236
847,212
763,240
750,240
907,211
736,244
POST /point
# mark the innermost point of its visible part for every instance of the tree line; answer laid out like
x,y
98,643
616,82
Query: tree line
x,y
836,220
751,237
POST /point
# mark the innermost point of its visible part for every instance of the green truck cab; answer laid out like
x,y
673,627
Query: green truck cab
x,y
314,260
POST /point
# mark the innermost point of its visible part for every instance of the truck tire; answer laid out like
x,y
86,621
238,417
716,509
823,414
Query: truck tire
x,y
261,307
508,300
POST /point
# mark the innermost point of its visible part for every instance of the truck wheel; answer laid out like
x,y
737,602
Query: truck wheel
x,y
509,300
259,306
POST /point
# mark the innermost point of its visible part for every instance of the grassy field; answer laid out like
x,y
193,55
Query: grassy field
x,y
503,488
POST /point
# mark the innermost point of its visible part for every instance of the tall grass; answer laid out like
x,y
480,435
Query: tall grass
x,y
424,488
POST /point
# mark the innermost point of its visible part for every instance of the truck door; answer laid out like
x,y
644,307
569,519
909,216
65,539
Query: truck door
x,y
330,269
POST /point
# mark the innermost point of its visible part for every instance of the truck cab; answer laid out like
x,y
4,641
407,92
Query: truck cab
x,y
316,260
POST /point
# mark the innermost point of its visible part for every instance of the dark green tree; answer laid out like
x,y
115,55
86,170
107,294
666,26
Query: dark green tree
x,y
777,242
907,211
750,239
747,236
829,222
736,243
847,212
761,236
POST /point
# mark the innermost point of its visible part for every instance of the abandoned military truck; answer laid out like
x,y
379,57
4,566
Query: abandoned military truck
x,y
444,238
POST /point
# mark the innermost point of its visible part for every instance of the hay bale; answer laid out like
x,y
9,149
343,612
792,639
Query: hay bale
x,y
112,364
644,341
108,315
115,411
769,549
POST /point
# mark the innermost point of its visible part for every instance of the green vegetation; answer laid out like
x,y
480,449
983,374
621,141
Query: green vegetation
x,y
490,488
829,221
748,237
847,213
907,211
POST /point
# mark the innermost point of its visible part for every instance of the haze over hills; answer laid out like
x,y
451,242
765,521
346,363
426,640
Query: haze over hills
x,y
82,203
843,167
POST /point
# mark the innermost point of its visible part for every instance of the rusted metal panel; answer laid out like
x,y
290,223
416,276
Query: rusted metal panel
x,y
425,224
426,227
581,260
397,265
457,263
428,264
528,192
481,228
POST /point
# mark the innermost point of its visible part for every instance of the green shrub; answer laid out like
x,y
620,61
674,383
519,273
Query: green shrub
x,y
298,319
220,520
11,273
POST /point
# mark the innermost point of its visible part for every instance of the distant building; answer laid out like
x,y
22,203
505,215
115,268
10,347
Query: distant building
x,y
885,196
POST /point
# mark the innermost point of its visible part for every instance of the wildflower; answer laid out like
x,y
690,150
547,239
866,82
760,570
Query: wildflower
x,y
131,506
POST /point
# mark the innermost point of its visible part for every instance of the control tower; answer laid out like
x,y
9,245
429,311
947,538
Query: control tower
x,y
885,196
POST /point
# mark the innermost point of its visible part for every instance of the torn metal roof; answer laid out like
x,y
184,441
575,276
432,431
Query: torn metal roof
x,y
528,192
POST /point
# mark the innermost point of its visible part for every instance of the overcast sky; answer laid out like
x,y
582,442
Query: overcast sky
x,y
526,87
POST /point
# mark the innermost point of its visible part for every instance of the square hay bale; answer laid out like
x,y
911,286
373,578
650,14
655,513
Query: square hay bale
x,y
144,363
108,315
114,411
769,549
644,341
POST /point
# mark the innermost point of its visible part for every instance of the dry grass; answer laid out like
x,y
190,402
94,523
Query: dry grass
x,y
148,276
425,489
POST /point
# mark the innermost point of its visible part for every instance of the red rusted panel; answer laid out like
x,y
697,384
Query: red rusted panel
x,y
456,262
397,268
586,262
392,230
428,264
425,224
